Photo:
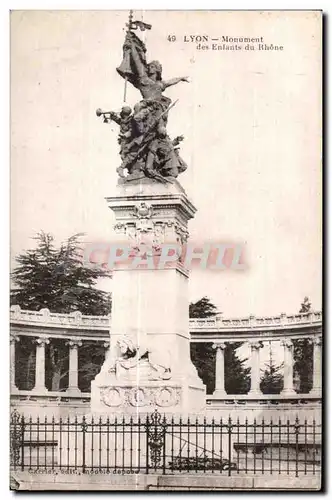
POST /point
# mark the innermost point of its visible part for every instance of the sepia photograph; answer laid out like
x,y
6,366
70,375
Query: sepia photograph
x,y
166,250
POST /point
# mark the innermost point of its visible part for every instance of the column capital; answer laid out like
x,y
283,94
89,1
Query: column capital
x,y
220,345
288,343
106,345
317,340
255,345
41,341
14,338
74,343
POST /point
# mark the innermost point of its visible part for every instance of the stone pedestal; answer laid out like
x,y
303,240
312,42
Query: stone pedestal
x,y
149,364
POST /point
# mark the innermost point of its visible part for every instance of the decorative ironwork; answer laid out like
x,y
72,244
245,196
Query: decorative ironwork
x,y
156,428
16,437
156,444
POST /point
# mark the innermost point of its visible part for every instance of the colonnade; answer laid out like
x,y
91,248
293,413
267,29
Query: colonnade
x,y
41,342
288,366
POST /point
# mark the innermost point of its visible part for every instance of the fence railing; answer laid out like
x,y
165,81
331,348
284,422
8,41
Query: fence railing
x,y
159,444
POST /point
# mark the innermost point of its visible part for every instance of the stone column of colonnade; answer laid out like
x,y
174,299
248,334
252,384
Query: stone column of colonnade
x,y
13,340
317,367
40,364
73,344
220,391
255,368
288,389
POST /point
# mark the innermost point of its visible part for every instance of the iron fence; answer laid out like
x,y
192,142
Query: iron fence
x,y
159,444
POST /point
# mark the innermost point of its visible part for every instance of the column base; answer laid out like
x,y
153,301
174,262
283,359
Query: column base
x,y
255,394
288,392
39,390
73,391
220,394
316,393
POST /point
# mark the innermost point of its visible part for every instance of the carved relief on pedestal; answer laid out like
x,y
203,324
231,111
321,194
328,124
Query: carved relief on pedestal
x,y
111,396
167,396
140,396
146,230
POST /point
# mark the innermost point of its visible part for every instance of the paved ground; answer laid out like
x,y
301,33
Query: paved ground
x,y
193,481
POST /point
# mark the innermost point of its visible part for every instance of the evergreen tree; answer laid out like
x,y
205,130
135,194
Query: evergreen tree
x,y
203,308
237,375
303,355
55,278
204,358
272,381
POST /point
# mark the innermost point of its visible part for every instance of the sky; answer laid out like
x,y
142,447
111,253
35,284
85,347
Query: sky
x,y
252,127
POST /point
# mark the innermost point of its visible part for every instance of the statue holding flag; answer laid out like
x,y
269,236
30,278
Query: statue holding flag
x,y
147,146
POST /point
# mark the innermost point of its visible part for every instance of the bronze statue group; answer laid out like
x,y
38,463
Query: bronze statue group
x,y
145,146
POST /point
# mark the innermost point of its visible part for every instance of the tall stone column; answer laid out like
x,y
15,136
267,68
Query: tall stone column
x,y
40,364
73,344
255,369
288,389
220,391
13,339
317,367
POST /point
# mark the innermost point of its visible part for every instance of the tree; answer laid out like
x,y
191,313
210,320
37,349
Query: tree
x,y
57,365
25,361
303,355
237,375
91,358
272,381
203,355
203,308
56,278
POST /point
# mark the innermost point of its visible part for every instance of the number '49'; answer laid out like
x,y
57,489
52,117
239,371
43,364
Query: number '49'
x,y
171,38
